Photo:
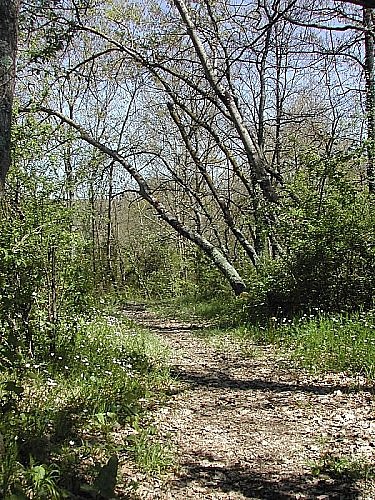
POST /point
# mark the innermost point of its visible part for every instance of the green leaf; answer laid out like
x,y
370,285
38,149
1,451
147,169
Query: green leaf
x,y
11,386
38,472
106,481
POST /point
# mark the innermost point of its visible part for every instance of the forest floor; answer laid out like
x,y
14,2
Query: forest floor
x,y
253,426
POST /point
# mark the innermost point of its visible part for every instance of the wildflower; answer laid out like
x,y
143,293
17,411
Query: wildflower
x,y
51,383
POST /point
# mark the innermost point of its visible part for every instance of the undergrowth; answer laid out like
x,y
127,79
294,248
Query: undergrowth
x,y
317,341
221,311
68,420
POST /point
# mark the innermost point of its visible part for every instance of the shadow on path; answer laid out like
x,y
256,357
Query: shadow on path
x,y
253,484
175,328
221,380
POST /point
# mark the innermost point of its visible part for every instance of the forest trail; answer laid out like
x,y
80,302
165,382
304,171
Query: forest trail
x,y
252,427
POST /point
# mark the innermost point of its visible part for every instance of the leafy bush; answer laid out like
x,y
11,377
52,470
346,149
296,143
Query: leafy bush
x,y
44,276
328,238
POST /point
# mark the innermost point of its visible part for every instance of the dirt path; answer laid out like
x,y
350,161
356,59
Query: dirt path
x,y
251,427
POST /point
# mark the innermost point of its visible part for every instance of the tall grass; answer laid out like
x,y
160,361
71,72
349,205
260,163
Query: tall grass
x,y
319,342
223,311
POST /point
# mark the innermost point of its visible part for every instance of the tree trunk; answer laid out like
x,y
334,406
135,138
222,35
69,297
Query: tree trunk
x,y
368,21
8,47
92,221
109,236
52,297
227,215
254,155
215,255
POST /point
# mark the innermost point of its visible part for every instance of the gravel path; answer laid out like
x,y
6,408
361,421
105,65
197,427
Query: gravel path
x,y
251,427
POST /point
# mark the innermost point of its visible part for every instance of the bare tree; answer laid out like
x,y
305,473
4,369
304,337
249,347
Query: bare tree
x,y
216,113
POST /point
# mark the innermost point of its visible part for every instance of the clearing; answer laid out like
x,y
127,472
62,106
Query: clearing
x,y
255,427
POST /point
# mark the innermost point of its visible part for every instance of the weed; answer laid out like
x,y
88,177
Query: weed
x,y
149,453
339,343
317,342
342,467
42,482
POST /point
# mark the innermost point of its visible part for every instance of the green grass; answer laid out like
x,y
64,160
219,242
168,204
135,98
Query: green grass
x,y
329,343
341,343
319,342
149,452
64,417
217,310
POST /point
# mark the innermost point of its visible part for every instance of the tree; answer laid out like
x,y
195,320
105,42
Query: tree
x,y
216,112
369,68
9,10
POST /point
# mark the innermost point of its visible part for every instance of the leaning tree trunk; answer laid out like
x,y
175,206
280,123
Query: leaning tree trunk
x,y
368,21
217,258
8,47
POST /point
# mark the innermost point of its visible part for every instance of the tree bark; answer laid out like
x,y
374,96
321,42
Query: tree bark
x,y
368,21
109,250
8,48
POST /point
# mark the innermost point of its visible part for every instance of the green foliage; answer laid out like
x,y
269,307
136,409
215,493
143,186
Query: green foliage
x,y
148,452
155,270
329,242
341,342
10,394
42,482
342,467
18,481
327,236
44,276
75,403
219,310
210,285
317,341
20,273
